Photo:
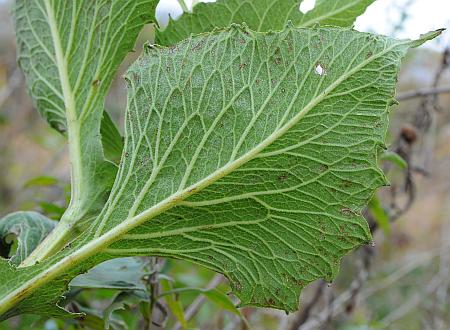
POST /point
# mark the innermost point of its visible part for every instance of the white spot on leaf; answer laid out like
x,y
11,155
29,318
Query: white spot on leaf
x,y
320,70
307,5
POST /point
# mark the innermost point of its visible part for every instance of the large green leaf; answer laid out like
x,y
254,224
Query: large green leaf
x,y
28,228
251,154
260,15
70,52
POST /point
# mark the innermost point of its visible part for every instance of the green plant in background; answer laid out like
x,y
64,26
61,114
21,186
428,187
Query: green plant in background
x,y
251,139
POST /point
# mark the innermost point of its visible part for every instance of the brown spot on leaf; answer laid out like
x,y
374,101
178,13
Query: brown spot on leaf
x,y
282,177
346,183
198,46
323,168
348,212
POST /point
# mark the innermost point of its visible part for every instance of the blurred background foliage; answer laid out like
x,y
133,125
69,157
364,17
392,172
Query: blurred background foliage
x,y
401,282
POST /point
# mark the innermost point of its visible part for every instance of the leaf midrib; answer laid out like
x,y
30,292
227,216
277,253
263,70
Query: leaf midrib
x,y
69,102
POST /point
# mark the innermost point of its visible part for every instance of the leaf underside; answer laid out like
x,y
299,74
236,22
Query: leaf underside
x,y
260,15
29,228
277,160
241,156
94,38
69,52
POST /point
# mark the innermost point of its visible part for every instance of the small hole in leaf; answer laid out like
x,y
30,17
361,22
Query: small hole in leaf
x,y
306,6
8,245
320,70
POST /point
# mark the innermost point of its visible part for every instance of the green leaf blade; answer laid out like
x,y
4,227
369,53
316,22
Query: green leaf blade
x,y
174,304
273,161
69,52
242,156
394,158
91,48
29,228
119,274
265,15
381,217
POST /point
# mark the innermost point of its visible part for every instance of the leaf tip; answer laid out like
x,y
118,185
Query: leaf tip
x,y
427,37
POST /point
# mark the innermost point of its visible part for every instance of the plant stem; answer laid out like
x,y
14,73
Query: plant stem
x,y
183,6
57,237
54,242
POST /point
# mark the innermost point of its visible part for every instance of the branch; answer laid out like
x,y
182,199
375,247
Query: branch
x,y
13,83
422,93
345,299
411,303
306,310
342,301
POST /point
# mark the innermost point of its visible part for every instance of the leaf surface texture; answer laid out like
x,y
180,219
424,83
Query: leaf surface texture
x,y
242,156
70,52
260,15
28,228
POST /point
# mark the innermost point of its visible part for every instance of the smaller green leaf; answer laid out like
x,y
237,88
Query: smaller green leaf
x,y
120,273
28,228
52,210
43,181
123,299
3,119
69,52
112,140
221,300
214,295
380,215
394,158
174,304
92,321
260,15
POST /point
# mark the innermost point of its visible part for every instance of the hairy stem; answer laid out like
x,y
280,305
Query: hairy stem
x,y
54,242
65,230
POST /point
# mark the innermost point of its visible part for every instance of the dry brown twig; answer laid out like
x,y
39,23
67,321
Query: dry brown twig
x,y
423,92
14,81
